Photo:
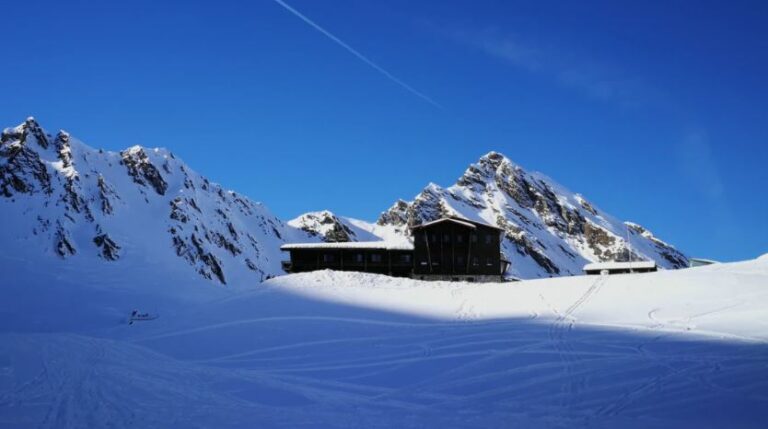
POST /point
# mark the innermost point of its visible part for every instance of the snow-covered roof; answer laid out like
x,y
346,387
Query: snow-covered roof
x,y
635,265
383,245
464,222
703,261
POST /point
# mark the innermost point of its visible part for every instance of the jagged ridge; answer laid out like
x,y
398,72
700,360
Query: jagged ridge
x,y
548,230
139,203
67,199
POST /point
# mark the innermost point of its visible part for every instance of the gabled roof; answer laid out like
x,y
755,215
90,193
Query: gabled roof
x,y
702,260
380,245
461,221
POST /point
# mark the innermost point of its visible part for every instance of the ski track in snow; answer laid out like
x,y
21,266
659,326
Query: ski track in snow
x,y
323,350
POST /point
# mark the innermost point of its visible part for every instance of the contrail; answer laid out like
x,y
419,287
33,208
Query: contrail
x,y
360,56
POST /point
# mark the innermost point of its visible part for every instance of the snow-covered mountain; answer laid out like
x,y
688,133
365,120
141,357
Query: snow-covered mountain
x,y
60,198
331,228
549,230
326,226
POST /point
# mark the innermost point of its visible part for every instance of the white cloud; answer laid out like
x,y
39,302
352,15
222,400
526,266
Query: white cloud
x,y
699,166
567,67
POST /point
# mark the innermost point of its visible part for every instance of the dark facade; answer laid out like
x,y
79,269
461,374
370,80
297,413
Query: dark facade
x,y
349,257
451,248
620,267
445,249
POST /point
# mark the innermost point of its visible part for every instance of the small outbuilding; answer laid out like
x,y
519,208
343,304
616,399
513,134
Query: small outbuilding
x,y
620,267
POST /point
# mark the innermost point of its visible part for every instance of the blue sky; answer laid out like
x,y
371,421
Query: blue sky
x,y
655,111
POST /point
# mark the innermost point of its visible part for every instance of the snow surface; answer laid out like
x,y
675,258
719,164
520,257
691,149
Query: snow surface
x,y
684,348
619,265
350,245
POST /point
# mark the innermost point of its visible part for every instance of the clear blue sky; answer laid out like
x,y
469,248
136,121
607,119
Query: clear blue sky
x,y
655,111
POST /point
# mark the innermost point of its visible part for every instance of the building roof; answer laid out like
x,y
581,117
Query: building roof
x,y
461,221
703,261
635,265
380,245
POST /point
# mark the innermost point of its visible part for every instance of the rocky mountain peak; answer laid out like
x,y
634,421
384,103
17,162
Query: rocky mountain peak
x,y
547,229
325,225
142,170
132,207
63,198
396,215
27,132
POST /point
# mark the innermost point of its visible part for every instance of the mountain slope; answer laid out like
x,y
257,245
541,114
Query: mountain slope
x,y
140,207
63,199
331,228
328,227
548,230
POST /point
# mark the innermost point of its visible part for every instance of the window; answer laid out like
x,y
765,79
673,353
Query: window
x,y
359,258
475,261
446,238
489,262
433,238
473,237
375,257
406,258
459,238
328,257
460,261
423,263
488,238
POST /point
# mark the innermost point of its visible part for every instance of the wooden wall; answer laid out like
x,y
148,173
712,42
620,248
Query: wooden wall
x,y
451,248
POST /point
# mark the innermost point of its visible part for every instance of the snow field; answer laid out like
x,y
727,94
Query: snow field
x,y
328,349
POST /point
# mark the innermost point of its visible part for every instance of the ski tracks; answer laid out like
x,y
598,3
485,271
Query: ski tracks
x,y
558,331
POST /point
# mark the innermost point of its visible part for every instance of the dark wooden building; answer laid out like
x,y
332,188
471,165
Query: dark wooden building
x,y
445,249
371,257
458,249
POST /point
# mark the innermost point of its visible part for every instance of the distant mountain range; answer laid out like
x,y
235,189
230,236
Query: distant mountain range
x,y
60,198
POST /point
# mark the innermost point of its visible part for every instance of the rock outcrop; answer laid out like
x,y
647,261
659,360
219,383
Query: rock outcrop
x,y
548,230
139,206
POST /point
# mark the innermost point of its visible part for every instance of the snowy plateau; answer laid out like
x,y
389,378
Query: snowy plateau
x,y
88,236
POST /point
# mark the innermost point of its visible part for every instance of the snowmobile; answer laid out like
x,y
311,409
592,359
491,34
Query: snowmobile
x,y
136,316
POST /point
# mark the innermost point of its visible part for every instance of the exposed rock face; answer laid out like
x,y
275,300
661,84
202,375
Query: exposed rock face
x,y
138,206
108,248
21,170
396,215
64,244
67,201
325,225
667,252
142,170
548,230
